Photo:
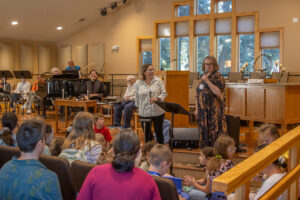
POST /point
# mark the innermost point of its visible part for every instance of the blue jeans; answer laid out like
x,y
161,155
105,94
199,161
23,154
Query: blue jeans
x,y
128,108
196,194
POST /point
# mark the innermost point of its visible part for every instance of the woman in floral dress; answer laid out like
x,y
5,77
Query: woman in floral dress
x,y
210,105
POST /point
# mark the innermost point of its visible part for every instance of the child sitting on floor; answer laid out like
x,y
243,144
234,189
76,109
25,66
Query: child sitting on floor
x,y
198,188
224,150
144,163
100,128
56,146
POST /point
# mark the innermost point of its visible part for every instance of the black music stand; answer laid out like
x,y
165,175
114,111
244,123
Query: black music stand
x,y
172,108
5,74
22,75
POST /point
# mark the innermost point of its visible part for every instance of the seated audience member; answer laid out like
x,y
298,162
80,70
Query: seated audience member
x,y
99,128
94,88
22,91
224,150
55,71
144,163
120,179
26,177
127,104
33,94
5,90
160,159
7,134
199,188
56,146
81,143
274,172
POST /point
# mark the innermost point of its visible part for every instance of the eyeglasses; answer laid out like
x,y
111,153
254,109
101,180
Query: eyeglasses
x,y
208,64
233,149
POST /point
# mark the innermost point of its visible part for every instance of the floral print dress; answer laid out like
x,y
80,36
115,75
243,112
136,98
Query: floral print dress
x,y
212,122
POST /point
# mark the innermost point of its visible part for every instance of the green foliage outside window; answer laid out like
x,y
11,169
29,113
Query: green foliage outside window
x,y
203,7
224,53
183,11
224,6
147,57
164,44
269,59
246,52
183,53
202,50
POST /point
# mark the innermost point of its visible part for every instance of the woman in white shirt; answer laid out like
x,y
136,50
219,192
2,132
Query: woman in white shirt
x,y
149,90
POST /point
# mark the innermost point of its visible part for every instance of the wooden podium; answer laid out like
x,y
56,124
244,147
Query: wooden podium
x,y
177,86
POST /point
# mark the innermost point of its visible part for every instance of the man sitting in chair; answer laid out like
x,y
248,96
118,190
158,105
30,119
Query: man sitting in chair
x,y
94,89
4,89
127,104
22,91
33,95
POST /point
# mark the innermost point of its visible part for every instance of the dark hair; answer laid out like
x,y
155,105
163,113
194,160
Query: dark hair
x,y
214,62
56,146
9,120
278,162
29,134
48,128
126,146
208,152
93,71
144,68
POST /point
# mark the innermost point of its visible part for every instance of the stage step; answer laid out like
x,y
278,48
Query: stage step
x,y
186,156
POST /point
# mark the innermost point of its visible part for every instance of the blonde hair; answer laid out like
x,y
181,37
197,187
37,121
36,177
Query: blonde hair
x,y
104,158
101,140
160,153
82,131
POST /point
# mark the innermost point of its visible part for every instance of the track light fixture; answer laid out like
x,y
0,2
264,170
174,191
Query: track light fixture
x,y
103,12
113,5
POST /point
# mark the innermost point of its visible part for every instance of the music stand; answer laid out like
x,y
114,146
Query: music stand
x,y
172,108
5,74
22,75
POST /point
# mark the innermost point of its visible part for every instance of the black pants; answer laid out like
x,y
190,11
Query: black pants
x,y
158,122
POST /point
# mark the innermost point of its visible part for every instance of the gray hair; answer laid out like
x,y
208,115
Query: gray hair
x,y
129,77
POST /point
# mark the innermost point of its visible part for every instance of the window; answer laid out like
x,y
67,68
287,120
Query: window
x,y
183,53
224,6
147,57
164,51
224,53
183,11
202,50
203,7
246,52
270,56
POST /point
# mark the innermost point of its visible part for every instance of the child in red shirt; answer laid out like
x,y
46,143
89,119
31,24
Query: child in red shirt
x,y
100,128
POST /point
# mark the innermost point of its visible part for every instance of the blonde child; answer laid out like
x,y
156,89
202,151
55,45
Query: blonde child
x,y
199,187
104,157
81,143
144,163
99,128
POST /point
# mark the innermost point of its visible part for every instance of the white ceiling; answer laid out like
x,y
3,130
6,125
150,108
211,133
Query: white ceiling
x,y
38,19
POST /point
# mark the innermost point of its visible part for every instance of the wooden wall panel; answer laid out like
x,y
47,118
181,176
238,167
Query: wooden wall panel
x,y
255,102
273,102
292,104
236,101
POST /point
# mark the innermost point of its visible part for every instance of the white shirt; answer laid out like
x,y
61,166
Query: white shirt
x,y
143,92
130,92
268,184
23,89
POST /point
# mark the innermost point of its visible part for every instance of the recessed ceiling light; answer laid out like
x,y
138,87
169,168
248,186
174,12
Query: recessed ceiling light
x,y
14,23
59,28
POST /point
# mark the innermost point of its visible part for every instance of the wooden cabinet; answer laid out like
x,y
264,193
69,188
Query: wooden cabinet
x,y
273,103
177,86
